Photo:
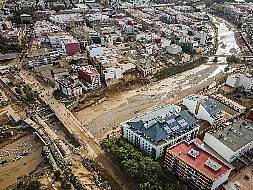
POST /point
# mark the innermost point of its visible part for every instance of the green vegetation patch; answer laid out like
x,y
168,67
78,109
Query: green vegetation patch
x,y
27,92
138,166
28,185
179,68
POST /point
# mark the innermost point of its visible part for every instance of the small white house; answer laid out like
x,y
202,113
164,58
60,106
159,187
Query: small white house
x,y
244,81
116,71
202,36
165,43
4,69
232,81
95,50
203,108
174,49
113,73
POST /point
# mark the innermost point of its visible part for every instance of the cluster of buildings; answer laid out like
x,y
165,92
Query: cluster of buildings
x,y
9,34
145,39
92,45
87,79
114,65
173,133
63,48
167,36
116,44
202,108
47,32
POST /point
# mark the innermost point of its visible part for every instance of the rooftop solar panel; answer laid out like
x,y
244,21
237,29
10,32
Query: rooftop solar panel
x,y
181,120
175,128
166,127
184,124
170,121
168,131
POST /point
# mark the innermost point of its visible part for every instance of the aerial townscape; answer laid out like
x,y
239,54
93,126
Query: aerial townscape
x,y
126,95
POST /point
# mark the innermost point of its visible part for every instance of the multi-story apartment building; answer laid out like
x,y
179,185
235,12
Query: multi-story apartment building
x,y
70,45
90,77
68,87
203,108
232,140
194,165
163,127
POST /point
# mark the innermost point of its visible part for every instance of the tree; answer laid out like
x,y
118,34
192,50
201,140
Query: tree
x,y
108,145
26,89
65,185
121,153
28,185
131,167
18,90
170,187
31,95
136,164
186,47
149,186
57,175
145,186
175,187
233,59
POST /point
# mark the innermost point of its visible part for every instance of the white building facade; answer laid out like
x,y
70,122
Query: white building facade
x,y
203,108
174,49
67,87
244,81
232,141
155,131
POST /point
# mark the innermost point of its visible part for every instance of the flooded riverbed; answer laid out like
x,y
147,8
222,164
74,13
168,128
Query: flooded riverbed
x,y
19,158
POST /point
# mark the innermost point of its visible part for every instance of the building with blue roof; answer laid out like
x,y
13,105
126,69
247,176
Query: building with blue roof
x,y
203,108
163,127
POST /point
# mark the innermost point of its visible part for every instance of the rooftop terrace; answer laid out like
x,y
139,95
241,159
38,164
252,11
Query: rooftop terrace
x,y
204,162
235,134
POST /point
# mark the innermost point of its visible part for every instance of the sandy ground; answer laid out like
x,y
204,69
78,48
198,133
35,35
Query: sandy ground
x,y
102,118
19,165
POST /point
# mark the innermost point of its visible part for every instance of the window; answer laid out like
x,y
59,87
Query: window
x,y
246,177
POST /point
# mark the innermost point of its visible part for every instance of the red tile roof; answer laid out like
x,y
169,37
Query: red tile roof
x,y
181,151
90,70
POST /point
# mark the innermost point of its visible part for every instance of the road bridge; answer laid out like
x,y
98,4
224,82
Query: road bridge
x,y
75,127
